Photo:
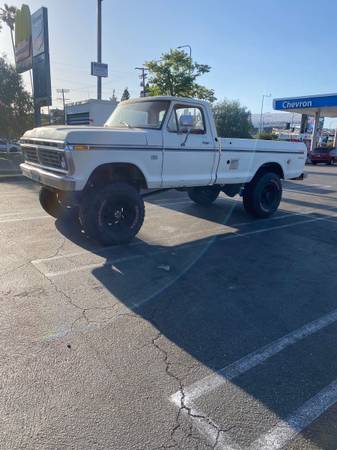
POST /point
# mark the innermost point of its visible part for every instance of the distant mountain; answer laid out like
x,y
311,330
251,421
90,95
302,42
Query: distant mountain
x,y
277,119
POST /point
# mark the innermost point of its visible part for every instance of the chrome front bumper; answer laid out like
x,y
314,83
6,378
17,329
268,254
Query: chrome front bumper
x,y
46,178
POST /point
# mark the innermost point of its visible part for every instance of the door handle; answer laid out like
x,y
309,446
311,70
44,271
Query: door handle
x,y
205,142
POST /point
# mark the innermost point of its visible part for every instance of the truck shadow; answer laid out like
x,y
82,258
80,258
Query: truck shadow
x,y
220,298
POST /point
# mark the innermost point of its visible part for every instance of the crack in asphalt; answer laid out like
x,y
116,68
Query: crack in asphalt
x,y
184,407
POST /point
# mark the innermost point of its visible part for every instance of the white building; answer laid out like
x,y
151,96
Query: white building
x,y
89,112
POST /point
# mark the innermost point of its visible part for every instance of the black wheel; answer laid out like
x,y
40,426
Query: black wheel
x,y
262,196
330,162
204,195
50,202
113,214
314,163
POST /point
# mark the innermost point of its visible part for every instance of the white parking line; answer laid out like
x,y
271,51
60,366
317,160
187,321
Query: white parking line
x,y
168,241
285,430
25,219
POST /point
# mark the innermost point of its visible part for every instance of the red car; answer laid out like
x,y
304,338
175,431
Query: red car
x,y
323,155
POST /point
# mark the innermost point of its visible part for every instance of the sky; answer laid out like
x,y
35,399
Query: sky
x,y
256,47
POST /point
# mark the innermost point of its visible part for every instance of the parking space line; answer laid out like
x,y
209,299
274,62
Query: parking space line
x,y
248,362
286,430
229,235
25,219
136,244
278,436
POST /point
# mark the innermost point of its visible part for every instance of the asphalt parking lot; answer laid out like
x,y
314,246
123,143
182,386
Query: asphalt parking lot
x,y
210,330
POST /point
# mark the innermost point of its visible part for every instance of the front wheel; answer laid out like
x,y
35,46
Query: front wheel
x,y
204,195
113,214
51,203
262,196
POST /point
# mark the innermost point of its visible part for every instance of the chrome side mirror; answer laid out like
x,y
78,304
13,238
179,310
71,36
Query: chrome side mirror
x,y
185,126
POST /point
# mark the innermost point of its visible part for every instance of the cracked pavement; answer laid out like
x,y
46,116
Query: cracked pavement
x,y
96,341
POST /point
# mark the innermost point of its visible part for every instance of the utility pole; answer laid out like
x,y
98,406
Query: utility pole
x,y
143,76
63,91
99,46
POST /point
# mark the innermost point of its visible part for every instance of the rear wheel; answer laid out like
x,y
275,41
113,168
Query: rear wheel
x,y
262,196
51,203
204,195
113,214
314,163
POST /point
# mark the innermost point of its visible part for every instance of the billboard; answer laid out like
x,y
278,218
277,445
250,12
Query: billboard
x,y
41,63
23,39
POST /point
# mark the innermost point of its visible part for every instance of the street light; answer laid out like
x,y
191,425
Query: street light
x,y
261,115
189,47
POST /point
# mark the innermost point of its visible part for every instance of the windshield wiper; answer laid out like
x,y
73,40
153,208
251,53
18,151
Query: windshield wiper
x,y
125,123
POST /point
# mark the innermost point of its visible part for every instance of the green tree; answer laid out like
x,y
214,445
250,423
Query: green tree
x,y
175,74
125,95
16,105
232,119
7,16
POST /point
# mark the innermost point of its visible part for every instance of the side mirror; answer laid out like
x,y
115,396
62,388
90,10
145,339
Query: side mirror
x,y
185,123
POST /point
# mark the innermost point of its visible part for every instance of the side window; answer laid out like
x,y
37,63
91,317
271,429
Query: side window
x,y
195,112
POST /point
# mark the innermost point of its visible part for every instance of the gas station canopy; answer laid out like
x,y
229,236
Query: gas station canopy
x,y
325,105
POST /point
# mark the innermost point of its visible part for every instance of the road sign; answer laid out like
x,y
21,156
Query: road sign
x,y
99,70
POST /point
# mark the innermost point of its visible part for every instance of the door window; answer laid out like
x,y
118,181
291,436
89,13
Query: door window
x,y
195,112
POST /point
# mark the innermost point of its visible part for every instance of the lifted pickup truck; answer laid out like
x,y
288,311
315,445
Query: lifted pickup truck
x,y
99,173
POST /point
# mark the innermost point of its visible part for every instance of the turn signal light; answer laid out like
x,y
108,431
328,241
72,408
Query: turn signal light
x,y
81,147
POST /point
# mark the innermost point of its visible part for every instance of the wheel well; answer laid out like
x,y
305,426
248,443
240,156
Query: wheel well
x,y
108,173
270,167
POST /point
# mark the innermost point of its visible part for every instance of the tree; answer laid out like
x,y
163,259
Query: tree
x,y
7,16
232,119
175,74
125,95
16,104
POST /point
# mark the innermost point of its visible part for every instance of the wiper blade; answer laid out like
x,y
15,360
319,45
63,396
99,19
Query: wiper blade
x,y
126,124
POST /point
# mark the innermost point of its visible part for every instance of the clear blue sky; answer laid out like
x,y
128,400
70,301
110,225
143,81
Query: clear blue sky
x,y
253,47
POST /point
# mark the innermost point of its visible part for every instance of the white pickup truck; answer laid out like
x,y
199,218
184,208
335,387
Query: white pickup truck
x,y
99,173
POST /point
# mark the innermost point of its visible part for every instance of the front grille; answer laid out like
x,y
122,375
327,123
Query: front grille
x,y
46,157
50,158
31,154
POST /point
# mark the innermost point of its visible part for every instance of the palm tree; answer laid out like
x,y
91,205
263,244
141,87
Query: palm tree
x,y
7,16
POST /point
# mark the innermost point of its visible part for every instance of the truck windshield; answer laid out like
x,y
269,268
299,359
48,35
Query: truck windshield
x,y
139,114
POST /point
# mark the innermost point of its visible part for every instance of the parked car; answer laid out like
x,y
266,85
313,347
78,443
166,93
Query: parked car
x,y
9,147
324,155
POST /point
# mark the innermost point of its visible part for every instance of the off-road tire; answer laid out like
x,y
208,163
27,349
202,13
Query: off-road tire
x,y
50,202
262,196
204,195
113,214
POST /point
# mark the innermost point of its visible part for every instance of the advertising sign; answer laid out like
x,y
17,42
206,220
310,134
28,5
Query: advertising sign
x,y
39,20
99,70
283,104
41,62
23,39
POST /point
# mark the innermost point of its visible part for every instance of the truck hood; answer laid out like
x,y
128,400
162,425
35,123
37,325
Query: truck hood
x,y
89,135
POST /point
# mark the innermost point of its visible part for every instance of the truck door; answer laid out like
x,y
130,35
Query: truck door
x,y
189,157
